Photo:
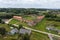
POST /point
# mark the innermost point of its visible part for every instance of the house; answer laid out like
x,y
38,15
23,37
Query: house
x,y
13,31
24,31
40,17
18,18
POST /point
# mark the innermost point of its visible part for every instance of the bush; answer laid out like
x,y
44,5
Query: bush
x,y
2,31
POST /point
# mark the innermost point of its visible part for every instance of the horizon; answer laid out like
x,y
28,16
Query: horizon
x,y
46,4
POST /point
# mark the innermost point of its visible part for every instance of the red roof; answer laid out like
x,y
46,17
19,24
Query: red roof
x,y
29,21
17,17
40,17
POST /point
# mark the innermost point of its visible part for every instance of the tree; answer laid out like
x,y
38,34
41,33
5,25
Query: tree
x,y
25,37
20,26
0,20
2,31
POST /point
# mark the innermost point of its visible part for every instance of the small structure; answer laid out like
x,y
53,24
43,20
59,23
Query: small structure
x,y
18,18
13,31
40,17
24,31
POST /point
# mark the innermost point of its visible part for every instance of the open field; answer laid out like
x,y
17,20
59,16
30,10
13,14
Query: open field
x,y
39,36
55,23
39,26
14,21
7,27
7,37
29,17
34,35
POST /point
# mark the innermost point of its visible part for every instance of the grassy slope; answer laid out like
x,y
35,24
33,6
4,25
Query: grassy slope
x,y
41,25
5,26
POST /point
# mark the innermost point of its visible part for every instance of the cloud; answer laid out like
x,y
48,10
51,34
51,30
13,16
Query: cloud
x,y
30,3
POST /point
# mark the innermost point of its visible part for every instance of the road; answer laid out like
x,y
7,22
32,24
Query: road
x,y
42,32
50,36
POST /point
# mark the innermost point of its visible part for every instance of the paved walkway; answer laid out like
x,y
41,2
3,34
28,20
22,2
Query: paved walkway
x,y
50,36
8,21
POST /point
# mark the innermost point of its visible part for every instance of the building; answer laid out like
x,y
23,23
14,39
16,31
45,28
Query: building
x,y
18,18
40,17
24,31
13,31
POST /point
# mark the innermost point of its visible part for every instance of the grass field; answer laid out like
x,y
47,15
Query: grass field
x,y
29,17
14,21
39,36
56,23
7,37
34,35
40,26
5,26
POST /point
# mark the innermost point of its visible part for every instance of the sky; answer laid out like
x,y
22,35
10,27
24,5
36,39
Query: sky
x,y
54,4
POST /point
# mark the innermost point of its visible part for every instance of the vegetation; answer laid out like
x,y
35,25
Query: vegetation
x,y
52,17
39,36
3,31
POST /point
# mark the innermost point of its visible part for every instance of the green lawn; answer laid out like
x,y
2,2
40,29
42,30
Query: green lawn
x,y
39,26
39,36
29,17
5,26
34,35
8,37
14,21
56,23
